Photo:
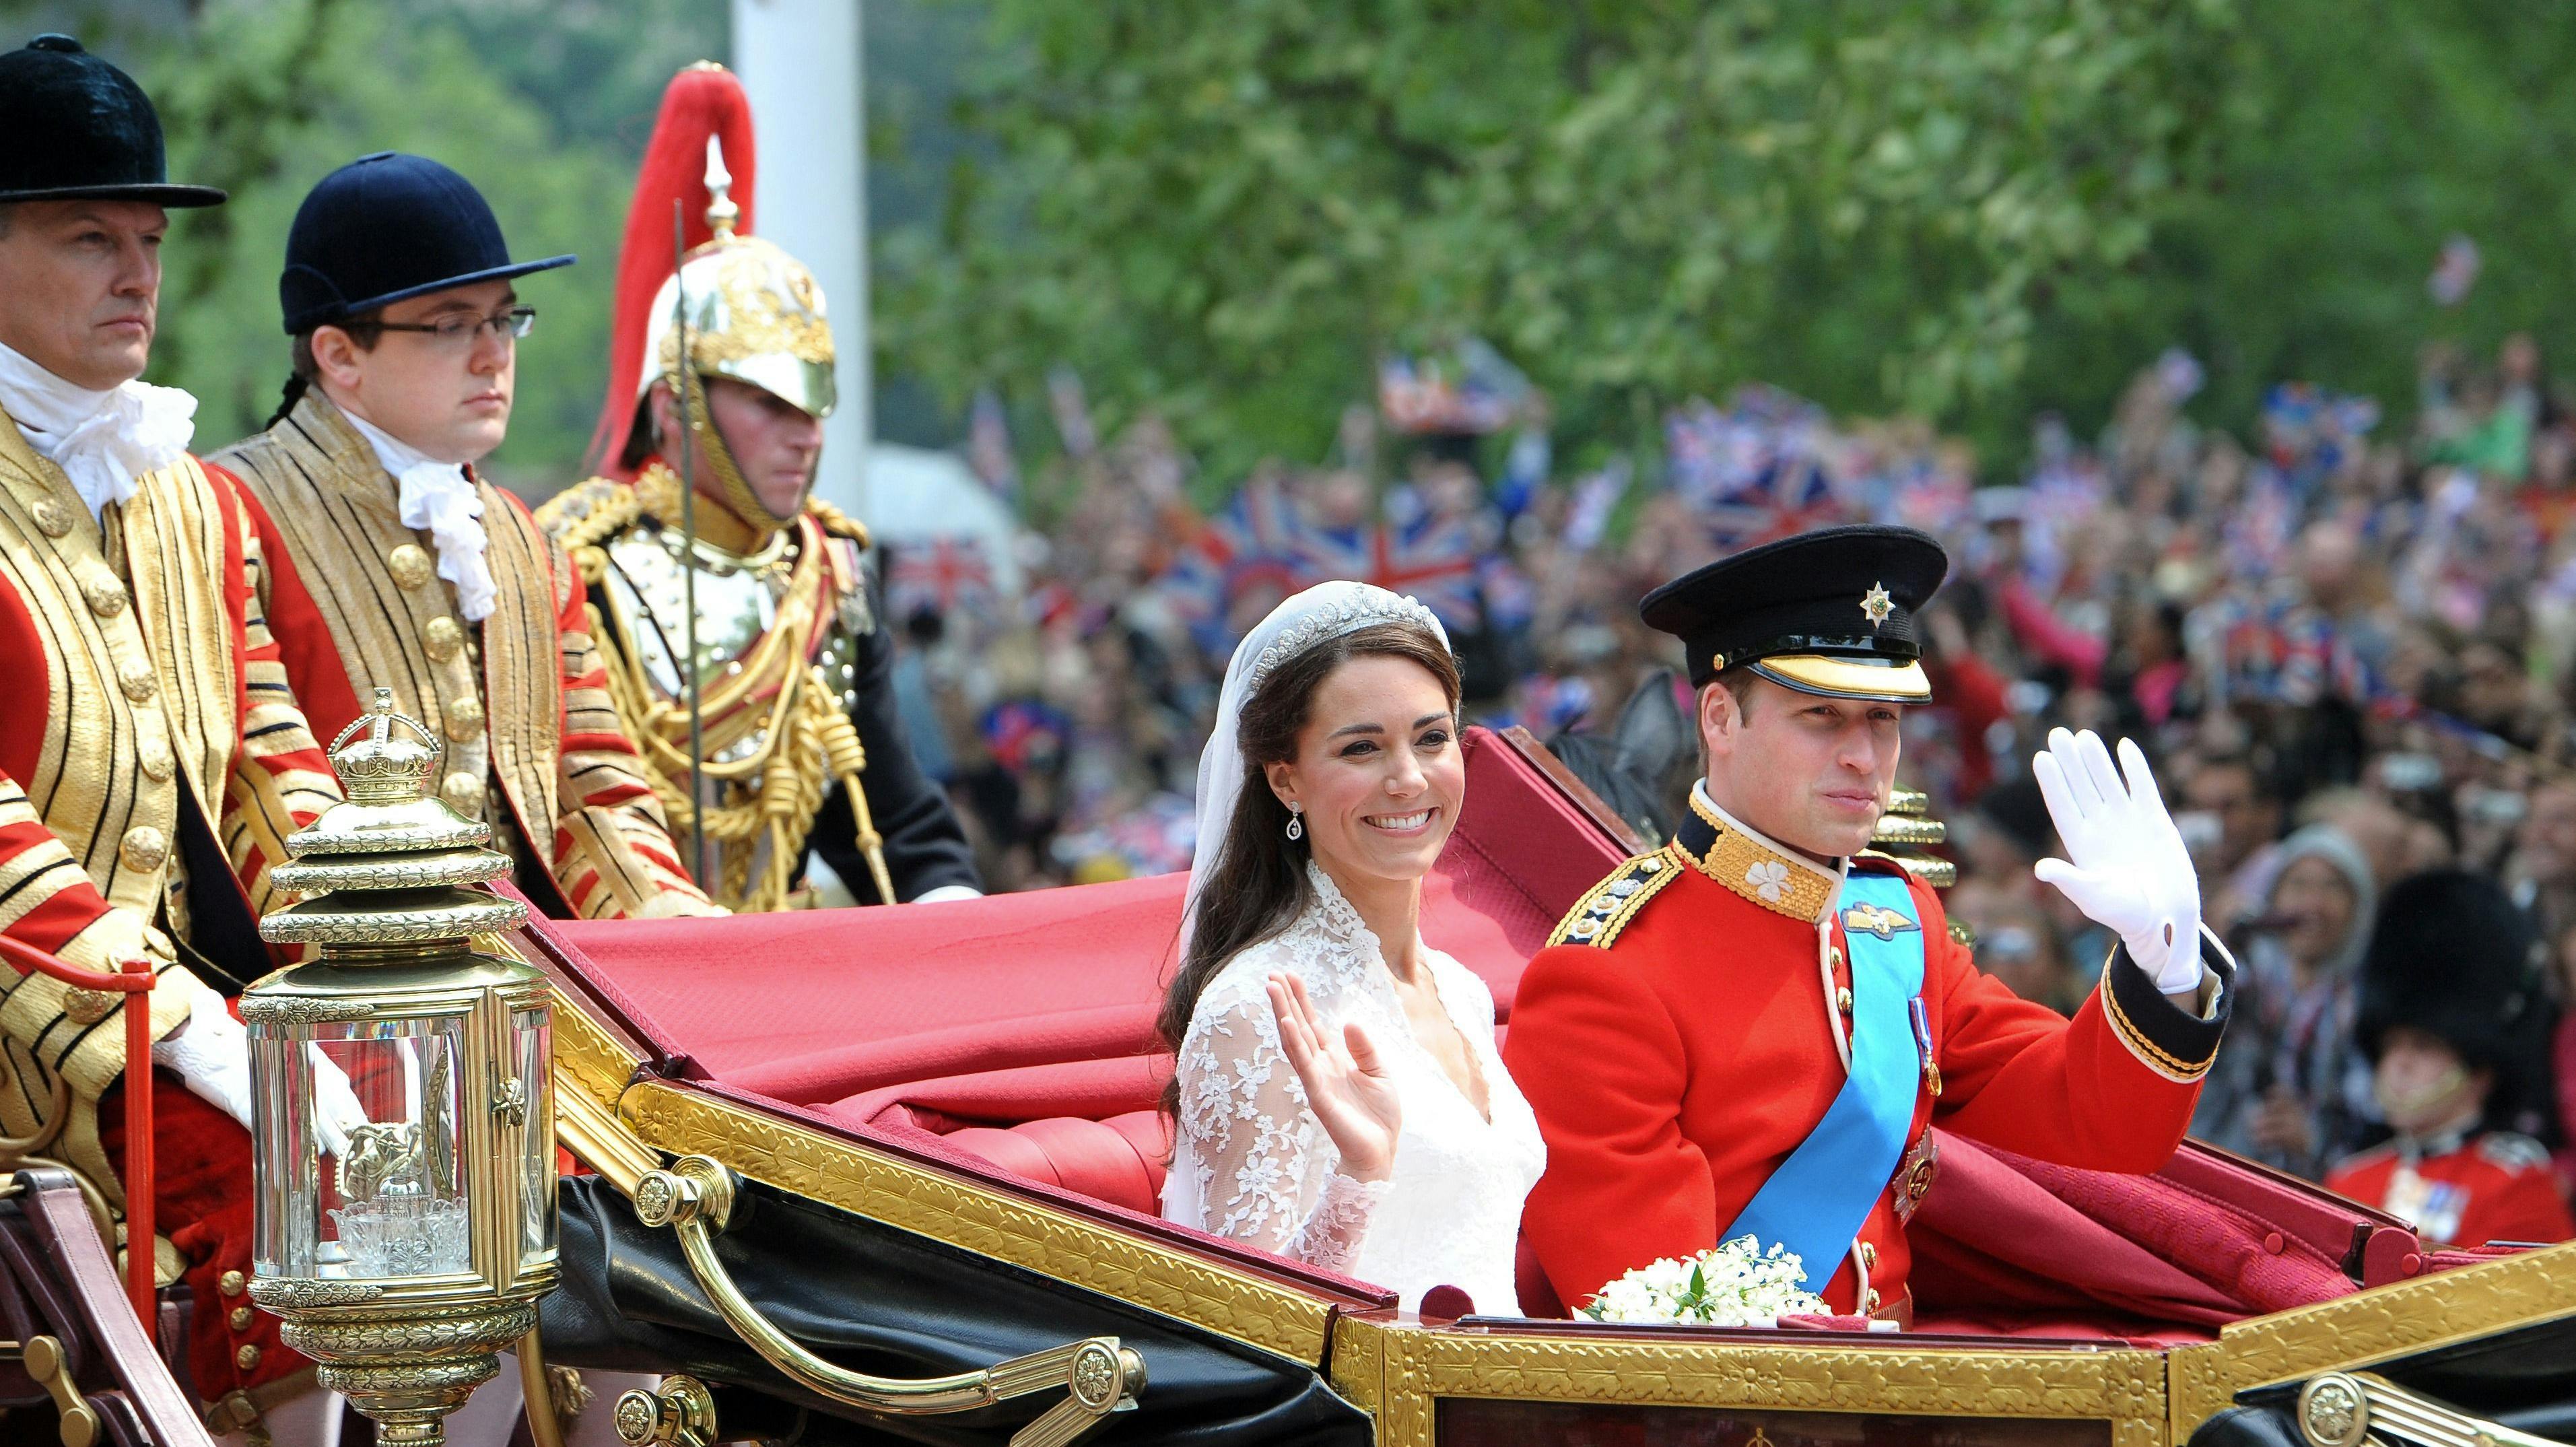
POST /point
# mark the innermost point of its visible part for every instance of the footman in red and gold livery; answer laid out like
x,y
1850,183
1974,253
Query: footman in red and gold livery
x,y
1753,1029
152,758
394,563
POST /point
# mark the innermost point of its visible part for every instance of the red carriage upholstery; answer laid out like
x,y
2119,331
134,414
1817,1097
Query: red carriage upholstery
x,y
1020,1027
1018,1032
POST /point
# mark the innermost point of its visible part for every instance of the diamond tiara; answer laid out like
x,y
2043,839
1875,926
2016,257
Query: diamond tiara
x,y
1333,622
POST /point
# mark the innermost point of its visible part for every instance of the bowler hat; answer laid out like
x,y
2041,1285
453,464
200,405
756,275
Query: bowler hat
x,y
1828,612
386,227
81,129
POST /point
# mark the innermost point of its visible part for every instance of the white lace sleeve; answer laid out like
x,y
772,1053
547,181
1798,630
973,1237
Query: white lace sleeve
x,y
1268,1176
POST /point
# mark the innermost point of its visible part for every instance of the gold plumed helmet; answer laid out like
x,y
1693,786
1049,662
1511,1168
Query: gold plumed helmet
x,y
754,313
750,312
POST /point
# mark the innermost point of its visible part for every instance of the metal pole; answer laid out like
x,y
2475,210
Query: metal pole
x,y
689,549
802,63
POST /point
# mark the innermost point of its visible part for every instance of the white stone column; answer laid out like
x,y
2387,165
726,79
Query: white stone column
x,y
800,62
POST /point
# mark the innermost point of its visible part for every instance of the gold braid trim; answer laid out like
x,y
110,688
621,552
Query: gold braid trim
x,y
838,523
584,518
769,793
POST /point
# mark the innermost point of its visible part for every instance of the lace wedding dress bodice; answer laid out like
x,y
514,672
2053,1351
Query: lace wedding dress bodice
x,y
1250,1162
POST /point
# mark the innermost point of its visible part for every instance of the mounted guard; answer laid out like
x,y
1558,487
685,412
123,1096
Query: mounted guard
x,y
786,716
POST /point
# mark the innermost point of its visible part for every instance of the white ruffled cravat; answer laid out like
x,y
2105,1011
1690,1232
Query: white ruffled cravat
x,y
102,441
439,496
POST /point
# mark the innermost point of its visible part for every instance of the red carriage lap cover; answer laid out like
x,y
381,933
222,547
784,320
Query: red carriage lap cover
x,y
1019,1029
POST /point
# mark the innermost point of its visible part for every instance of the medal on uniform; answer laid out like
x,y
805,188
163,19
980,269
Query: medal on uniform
x,y
1923,1045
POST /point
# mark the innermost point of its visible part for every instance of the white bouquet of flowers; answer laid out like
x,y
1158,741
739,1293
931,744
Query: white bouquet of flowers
x,y
1735,1284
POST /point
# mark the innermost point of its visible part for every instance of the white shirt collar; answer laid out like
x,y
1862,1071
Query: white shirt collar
x,y
103,441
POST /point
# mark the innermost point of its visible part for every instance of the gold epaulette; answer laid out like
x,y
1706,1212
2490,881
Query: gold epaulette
x,y
1605,909
589,513
836,522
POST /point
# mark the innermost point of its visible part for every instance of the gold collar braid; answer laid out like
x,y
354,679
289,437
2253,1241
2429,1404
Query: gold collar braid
x,y
776,736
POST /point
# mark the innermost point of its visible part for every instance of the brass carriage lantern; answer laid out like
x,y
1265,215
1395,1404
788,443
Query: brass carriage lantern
x,y
404,1128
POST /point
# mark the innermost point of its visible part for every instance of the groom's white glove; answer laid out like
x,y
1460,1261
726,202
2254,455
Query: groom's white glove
x,y
2130,870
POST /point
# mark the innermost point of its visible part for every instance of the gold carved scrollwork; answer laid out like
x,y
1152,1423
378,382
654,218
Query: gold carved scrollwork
x,y
978,1218
2370,1327
2122,1387
301,1010
291,1292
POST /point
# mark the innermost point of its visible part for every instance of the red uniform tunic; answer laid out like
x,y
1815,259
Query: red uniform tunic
x,y
2460,1189
1679,1041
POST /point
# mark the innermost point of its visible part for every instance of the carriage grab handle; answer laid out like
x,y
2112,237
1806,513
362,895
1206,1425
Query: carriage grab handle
x,y
695,1198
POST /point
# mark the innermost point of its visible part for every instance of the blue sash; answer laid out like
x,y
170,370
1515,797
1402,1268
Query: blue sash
x,y
1815,1203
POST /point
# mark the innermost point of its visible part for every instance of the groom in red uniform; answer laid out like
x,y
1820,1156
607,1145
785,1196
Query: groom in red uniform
x,y
1751,1030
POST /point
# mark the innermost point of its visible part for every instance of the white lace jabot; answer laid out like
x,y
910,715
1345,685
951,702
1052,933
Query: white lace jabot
x,y
1250,1162
103,441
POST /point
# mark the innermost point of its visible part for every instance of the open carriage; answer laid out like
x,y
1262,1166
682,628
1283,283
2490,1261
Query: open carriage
x,y
891,1175
879,1147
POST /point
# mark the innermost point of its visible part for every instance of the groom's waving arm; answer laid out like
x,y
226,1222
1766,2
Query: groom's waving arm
x,y
1598,1055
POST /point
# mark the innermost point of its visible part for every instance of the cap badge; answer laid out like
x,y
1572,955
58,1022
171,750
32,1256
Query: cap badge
x,y
1877,605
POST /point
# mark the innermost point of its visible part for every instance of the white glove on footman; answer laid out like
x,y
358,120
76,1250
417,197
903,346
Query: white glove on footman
x,y
2129,869
211,1054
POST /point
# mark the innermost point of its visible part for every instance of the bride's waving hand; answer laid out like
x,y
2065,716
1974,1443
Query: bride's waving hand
x,y
1349,1090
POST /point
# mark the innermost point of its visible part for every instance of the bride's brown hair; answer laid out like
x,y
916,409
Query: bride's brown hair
x,y
1260,887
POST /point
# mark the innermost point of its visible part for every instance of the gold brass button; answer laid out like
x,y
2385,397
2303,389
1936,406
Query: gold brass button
x,y
230,1283
1843,999
409,565
88,1007
463,793
105,596
464,719
246,1356
442,638
136,679
1868,1303
143,848
158,765
52,518
240,1318
1868,1256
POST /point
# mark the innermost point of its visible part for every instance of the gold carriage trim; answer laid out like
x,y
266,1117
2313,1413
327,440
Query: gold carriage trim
x,y
1604,911
1400,1372
2407,1318
593,1074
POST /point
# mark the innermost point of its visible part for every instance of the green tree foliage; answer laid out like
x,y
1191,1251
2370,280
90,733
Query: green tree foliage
x,y
2355,138
1227,212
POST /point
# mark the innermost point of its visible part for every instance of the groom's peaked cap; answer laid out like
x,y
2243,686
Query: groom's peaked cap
x,y
1829,612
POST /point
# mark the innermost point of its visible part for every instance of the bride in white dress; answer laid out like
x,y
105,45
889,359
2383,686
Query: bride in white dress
x,y
1338,1097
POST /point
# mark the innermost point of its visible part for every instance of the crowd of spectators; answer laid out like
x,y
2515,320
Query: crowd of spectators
x,y
2350,652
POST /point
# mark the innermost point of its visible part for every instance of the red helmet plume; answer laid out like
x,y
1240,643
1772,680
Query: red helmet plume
x,y
703,100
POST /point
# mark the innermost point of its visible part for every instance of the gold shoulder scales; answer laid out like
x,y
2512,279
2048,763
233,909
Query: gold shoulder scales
x,y
1599,916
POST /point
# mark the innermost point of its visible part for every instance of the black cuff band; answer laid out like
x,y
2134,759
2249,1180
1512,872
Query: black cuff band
x,y
2176,1043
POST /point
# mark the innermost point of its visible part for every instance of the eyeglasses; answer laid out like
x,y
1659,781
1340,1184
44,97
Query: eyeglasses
x,y
457,331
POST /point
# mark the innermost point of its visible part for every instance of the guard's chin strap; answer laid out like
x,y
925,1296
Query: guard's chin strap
x,y
738,497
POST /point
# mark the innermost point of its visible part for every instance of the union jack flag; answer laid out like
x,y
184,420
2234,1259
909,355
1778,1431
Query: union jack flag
x,y
1431,557
1253,541
1758,470
946,576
